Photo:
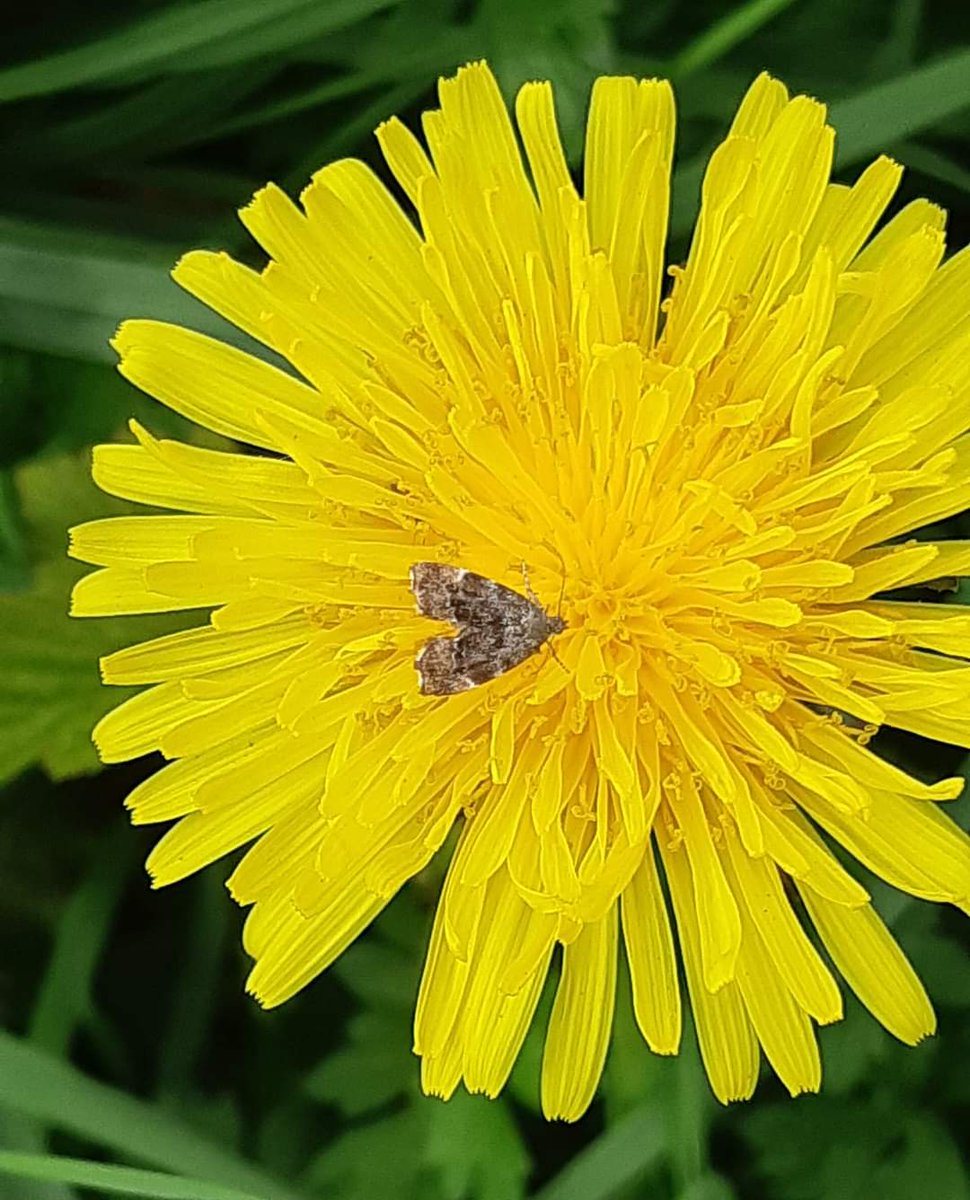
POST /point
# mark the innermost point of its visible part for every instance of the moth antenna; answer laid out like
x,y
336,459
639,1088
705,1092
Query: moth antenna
x,y
528,586
562,586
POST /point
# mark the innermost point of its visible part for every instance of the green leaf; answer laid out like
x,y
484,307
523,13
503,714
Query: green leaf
x,y
67,294
475,1147
934,165
818,1148
739,24
376,1065
875,119
179,37
411,44
707,1187
625,1153
51,694
14,565
852,1049
192,1010
378,1160
65,998
38,1085
19,1133
566,41
868,123
632,1072
928,1164
161,113
118,1181
940,962
290,29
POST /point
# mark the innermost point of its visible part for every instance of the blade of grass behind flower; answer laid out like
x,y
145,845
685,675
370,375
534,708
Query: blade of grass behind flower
x,y
58,1095
619,1157
64,1001
718,39
114,1180
866,124
878,117
934,164
64,294
305,24
224,30
196,985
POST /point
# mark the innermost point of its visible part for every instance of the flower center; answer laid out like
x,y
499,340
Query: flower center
x,y
600,611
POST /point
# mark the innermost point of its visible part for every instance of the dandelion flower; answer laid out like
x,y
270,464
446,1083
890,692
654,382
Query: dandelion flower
x,y
716,476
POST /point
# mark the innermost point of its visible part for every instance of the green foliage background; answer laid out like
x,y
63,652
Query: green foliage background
x,y
131,1062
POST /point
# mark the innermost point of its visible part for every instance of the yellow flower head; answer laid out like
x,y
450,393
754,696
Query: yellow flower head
x,y
708,486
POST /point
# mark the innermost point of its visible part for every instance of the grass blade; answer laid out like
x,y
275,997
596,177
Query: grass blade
x,y
616,1160
875,119
720,38
196,990
67,297
65,1001
166,40
866,124
119,1181
934,164
53,1092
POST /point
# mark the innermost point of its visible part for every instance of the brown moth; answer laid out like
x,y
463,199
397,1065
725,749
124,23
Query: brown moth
x,y
497,628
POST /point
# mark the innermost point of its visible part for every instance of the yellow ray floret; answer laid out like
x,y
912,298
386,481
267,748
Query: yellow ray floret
x,y
710,480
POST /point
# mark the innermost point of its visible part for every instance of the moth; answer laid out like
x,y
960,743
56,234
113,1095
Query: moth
x,y
497,627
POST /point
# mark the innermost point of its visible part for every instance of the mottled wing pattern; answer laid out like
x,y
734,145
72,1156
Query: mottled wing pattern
x,y
462,597
497,627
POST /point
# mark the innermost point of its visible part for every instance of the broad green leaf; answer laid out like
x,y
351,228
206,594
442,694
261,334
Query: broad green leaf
x,y
116,1181
24,1136
929,1163
14,565
476,1150
707,1187
898,50
818,1148
689,1112
940,961
38,1085
411,44
51,693
632,1072
852,1049
344,137
377,1160
375,1065
162,113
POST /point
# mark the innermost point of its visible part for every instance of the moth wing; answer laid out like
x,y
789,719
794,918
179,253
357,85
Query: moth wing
x,y
438,670
453,594
434,586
